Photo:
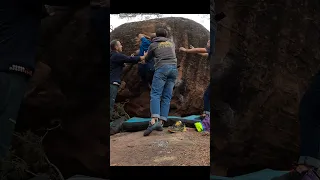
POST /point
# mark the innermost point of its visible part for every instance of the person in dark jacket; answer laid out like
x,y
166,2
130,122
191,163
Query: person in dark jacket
x,y
20,22
117,63
206,97
165,75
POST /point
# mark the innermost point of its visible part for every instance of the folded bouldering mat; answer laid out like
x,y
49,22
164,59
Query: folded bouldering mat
x,y
139,124
266,174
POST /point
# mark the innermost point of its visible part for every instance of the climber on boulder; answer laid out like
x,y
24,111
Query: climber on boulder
x,y
165,75
145,70
17,54
206,97
117,63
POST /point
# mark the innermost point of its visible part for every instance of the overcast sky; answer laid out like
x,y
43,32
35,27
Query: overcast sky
x,y
203,19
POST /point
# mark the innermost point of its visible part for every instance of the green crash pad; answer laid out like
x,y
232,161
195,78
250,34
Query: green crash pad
x,y
266,174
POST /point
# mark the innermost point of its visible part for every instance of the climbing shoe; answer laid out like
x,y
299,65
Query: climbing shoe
x,y
202,117
151,128
295,175
159,126
177,127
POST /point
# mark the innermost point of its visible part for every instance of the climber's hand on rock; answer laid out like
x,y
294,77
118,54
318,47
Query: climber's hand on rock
x,y
132,54
191,47
182,49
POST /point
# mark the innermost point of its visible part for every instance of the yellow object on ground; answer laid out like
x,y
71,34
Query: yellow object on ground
x,y
177,127
199,126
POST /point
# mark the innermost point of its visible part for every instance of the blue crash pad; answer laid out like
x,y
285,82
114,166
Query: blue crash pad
x,y
266,174
137,119
192,117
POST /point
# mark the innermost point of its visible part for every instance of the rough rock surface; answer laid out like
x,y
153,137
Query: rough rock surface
x,y
267,51
193,72
70,86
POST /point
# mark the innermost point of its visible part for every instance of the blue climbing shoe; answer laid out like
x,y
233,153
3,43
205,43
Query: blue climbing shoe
x,y
159,126
151,128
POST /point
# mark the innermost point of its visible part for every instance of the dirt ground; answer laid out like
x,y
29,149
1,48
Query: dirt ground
x,y
189,148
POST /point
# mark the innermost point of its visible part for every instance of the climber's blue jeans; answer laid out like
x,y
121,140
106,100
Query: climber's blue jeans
x,y
161,90
12,89
310,125
206,100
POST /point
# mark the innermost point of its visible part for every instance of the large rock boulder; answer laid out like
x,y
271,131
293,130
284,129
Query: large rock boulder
x,y
267,53
193,72
69,87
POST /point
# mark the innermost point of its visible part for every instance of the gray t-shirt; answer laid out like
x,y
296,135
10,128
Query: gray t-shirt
x,y
163,52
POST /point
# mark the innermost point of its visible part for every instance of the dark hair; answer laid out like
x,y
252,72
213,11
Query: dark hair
x,y
113,44
161,32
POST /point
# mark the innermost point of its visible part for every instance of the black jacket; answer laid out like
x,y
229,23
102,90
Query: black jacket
x,y
117,61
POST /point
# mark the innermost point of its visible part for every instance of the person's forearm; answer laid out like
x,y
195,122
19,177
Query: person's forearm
x,y
203,54
196,50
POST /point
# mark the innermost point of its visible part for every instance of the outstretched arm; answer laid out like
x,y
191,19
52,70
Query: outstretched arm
x,y
201,54
136,53
193,50
131,59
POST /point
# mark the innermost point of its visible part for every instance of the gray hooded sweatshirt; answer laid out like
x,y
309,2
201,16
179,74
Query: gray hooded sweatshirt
x,y
163,52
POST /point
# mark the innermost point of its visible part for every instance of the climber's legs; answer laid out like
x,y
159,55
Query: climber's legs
x,y
146,72
206,96
150,76
206,100
160,78
142,71
12,89
150,72
310,125
113,94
